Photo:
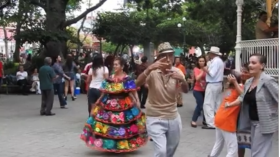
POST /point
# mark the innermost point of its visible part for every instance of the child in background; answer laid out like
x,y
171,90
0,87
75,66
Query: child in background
x,y
78,76
226,119
35,82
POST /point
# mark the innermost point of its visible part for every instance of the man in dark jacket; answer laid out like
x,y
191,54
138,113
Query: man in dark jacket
x,y
143,92
46,77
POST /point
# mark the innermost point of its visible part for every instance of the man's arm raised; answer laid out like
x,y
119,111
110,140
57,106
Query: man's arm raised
x,y
142,78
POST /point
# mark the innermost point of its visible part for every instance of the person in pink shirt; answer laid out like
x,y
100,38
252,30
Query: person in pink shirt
x,y
199,89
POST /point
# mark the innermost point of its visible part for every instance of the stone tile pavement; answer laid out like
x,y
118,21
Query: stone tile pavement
x,y
24,133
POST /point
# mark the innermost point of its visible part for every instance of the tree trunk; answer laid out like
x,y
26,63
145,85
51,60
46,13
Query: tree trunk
x,y
133,65
56,23
116,50
78,35
18,27
148,52
16,53
123,47
202,50
5,41
18,43
55,20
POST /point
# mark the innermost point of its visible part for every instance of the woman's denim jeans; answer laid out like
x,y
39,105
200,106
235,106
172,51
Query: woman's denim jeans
x,y
199,97
93,96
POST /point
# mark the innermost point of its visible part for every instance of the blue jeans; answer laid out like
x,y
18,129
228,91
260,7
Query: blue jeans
x,y
93,96
199,97
58,87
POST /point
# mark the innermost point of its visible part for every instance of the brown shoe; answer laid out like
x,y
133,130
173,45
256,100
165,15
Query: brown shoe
x,y
193,125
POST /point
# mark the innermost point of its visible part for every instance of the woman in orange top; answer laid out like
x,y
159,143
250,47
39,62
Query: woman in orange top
x,y
226,119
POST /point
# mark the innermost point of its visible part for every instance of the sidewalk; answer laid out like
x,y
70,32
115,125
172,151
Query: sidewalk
x,y
24,133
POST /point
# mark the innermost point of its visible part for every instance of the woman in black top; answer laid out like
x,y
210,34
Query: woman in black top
x,y
259,109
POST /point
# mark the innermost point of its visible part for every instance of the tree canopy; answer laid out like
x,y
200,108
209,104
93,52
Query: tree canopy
x,y
48,29
207,23
218,19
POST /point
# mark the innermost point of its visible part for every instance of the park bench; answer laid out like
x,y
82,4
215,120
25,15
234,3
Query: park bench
x,y
10,85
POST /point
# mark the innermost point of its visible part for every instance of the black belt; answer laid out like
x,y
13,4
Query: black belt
x,y
214,82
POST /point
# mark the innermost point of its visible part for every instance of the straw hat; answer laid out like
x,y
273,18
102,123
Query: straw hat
x,y
215,50
165,48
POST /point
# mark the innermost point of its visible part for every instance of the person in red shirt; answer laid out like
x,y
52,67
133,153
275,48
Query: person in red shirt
x,y
226,119
199,89
86,69
85,73
179,65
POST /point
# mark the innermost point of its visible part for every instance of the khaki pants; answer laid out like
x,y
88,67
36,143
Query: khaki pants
x,y
179,98
165,134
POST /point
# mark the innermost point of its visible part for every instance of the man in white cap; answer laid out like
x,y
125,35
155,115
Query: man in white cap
x,y
213,91
163,120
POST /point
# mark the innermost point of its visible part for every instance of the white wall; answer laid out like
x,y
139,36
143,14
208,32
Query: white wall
x,y
11,47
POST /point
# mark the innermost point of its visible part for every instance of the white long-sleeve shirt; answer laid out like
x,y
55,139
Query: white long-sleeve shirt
x,y
216,70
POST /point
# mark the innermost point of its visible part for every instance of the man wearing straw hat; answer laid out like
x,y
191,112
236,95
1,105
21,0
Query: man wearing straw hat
x,y
213,91
163,120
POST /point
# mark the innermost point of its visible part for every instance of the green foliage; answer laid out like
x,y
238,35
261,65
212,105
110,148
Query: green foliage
x,y
129,28
208,22
10,67
73,5
73,40
42,36
9,64
120,28
50,31
108,47
212,17
169,7
37,62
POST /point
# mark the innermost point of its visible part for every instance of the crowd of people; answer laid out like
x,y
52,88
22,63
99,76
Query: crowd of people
x,y
245,117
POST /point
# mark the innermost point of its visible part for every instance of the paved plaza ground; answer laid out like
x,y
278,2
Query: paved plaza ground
x,y
24,133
